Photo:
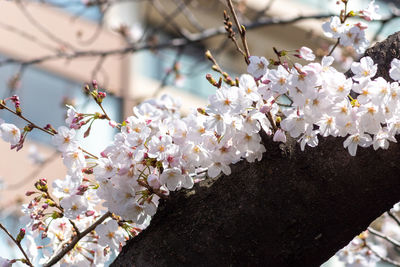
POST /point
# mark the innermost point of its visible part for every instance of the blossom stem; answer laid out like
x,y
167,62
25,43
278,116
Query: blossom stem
x,y
105,113
25,119
151,190
334,47
26,261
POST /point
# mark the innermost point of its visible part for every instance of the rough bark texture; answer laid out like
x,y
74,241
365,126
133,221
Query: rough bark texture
x,y
293,208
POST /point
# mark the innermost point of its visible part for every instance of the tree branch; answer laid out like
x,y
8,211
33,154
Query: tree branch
x,y
75,240
27,261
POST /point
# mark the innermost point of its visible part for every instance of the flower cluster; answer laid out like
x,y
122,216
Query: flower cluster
x,y
158,151
359,253
351,34
45,218
322,103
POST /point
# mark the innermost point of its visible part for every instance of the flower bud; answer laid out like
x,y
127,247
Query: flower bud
x,y
89,213
87,171
208,55
29,193
94,84
20,235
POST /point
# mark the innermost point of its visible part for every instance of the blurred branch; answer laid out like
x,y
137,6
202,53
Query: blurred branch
x,y
27,36
191,38
41,28
182,5
34,173
168,18
170,71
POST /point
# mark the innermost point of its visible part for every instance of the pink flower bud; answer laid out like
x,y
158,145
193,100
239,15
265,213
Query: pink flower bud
x,y
113,124
21,235
89,213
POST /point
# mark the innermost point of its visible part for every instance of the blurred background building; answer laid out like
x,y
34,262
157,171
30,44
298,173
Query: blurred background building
x,y
33,29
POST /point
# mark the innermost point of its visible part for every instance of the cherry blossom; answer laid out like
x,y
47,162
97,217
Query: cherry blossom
x,y
257,67
371,12
10,133
395,69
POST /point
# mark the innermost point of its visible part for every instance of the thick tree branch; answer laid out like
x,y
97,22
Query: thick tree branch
x,y
293,208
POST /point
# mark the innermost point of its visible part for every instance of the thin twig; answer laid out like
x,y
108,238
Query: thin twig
x,y
105,113
169,72
27,261
41,28
28,36
334,47
167,18
241,30
152,190
33,125
188,14
25,119
98,67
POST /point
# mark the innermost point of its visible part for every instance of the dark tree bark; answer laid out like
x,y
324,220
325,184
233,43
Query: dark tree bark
x,y
293,208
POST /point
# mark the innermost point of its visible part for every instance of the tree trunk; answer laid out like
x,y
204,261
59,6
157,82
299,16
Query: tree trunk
x,y
293,208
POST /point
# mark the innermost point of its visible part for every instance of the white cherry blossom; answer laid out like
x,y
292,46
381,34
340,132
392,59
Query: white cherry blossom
x,y
10,133
257,67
